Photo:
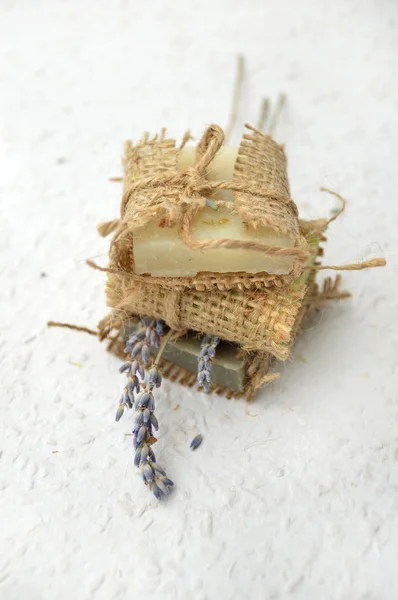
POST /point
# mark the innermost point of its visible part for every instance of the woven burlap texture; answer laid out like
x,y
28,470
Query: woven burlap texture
x,y
154,189
258,363
255,320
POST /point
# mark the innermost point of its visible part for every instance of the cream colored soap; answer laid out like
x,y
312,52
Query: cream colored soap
x,y
160,252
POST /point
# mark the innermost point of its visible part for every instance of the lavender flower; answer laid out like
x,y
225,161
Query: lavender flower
x,y
197,440
211,204
140,343
154,377
206,355
138,393
127,400
143,438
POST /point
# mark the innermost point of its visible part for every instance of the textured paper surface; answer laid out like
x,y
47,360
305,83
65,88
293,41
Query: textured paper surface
x,y
293,497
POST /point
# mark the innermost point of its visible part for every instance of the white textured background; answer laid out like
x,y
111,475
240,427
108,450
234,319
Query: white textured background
x,y
295,496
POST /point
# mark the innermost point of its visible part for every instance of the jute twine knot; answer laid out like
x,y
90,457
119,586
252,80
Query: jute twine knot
x,y
176,196
182,194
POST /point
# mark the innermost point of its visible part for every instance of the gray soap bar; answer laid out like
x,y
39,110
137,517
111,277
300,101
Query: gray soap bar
x,y
227,370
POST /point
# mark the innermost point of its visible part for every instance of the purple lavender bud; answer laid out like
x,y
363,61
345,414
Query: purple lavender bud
x,y
138,399
137,368
165,490
144,453
157,468
207,353
134,338
159,326
137,457
126,368
141,433
201,378
151,402
203,352
168,482
130,394
139,419
128,347
119,412
145,353
146,415
137,349
154,421
126,398
197,440
201,364
145,399
142,399
147,472
211,204
151,455
133,385
153,339
211,352
156,491
154,376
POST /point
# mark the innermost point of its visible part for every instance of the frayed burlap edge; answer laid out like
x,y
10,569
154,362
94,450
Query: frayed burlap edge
x,y
262,198
259,363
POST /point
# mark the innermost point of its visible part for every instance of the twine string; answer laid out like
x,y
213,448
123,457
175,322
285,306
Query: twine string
x,y
186,192
183,193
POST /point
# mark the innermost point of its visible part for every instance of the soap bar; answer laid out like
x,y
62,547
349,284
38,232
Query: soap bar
x,y
228,370
159,251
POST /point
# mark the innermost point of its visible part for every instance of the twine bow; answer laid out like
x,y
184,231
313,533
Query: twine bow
x,y
183,193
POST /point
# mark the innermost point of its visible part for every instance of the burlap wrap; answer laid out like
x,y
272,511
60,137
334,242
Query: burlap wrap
x,y
262,313
258,320
154,189
258,363
255,320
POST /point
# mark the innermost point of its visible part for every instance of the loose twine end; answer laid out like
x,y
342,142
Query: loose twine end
x,y
74,327
93,265
107,227
366,264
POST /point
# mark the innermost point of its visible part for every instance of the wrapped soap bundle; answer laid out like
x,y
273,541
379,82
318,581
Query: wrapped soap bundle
x,y
211,271
209,242
211,274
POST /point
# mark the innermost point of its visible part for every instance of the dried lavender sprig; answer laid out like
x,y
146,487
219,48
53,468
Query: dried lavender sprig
x,y
130,368
207,353
139,343
145,420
